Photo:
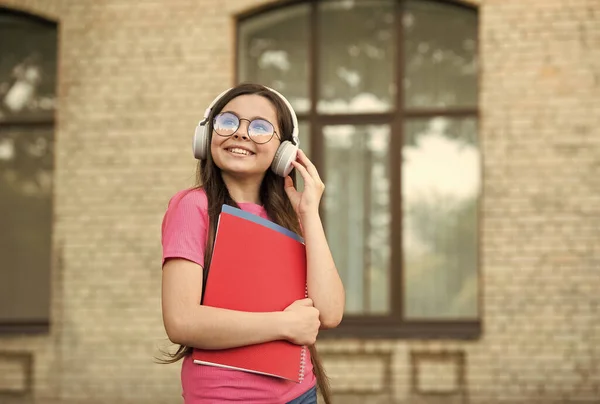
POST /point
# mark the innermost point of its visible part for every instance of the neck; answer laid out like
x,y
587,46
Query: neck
x,y
243,189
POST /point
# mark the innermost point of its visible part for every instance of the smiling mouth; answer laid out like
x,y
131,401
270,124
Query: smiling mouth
x,y
239,152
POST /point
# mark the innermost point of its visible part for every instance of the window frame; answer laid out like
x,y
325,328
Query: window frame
x,y
26,121
394,324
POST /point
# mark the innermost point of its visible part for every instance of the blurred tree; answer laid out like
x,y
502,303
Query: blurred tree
x,y
442,268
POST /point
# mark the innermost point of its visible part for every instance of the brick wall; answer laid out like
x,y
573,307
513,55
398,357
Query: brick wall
x,y
135,78
541,114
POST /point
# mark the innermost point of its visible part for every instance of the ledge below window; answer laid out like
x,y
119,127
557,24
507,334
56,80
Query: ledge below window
x,y
22,328
385,328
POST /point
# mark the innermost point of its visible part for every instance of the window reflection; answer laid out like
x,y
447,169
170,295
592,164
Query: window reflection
x,y
440,55
274,52
26,172
28,48
357,214
27,67
440,190
356,56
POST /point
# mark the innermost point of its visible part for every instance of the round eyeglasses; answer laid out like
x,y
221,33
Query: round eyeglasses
x,y
259,130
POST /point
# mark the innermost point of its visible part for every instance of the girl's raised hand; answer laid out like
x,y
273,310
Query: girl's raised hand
x,y
306,202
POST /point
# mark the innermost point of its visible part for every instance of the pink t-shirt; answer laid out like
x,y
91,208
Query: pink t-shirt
x,y
184,233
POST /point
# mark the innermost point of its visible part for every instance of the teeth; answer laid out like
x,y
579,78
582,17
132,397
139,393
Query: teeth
x,y
239,151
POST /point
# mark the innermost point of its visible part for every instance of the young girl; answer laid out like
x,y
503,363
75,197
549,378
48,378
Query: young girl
x,y
243,159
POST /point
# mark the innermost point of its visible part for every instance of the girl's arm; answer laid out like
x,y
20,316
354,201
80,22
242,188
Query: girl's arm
x,y
188,323
325,286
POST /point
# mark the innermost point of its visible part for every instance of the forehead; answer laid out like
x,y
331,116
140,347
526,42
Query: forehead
x,y
251,105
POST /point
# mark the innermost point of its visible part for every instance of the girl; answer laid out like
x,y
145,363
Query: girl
x,y
245,128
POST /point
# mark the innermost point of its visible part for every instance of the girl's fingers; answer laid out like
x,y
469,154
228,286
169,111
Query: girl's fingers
x,y
310,167
305,175
289,188
288,183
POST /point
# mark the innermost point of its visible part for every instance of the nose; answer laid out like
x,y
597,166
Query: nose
x,y
242,132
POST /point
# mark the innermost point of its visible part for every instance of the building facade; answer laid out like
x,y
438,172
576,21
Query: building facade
x,y
458,141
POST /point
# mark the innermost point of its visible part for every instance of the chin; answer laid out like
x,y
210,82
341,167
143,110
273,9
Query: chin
x,y
241,170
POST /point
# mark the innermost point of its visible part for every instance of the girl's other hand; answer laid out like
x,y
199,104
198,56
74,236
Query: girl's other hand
x,y
302,323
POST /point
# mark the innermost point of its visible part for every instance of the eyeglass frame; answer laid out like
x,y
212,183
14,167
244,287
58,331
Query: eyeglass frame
x,y
249,123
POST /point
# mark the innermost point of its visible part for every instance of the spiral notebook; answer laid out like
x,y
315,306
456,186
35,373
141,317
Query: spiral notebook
x,y
257,266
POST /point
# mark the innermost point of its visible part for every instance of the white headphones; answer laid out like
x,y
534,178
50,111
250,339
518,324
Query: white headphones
x,y
286,153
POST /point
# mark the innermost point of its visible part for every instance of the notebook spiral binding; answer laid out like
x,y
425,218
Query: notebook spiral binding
x,y
303,351
302,364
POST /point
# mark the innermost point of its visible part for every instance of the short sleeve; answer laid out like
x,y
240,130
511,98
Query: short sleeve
x,y
184,227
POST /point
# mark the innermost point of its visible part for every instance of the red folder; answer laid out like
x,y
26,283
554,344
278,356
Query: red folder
x,y
257,266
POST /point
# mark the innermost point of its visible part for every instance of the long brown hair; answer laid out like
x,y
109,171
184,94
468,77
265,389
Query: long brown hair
x,y
272,195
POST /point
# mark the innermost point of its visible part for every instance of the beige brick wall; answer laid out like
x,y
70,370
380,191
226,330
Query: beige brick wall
x,y
540,127
135,78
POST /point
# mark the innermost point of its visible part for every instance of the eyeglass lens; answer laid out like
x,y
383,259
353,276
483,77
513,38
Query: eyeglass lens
x,y
259,130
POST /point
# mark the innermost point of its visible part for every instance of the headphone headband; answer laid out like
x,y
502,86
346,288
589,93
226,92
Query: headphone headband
x,y
295,130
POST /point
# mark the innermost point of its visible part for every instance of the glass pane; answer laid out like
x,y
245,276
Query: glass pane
x,y
440,53
273,50
357,50
26,163
27,66
304,135
357,212
441,182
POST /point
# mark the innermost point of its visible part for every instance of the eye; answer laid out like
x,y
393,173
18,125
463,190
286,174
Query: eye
x,y
262,126
227,120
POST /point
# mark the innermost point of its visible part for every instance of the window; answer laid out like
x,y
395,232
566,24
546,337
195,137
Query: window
x,y
386,92
28,47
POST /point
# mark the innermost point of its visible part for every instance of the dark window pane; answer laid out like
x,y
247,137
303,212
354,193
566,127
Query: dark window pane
x,y
357,213
26,164
27,67
441,181
440,54
273,50
357,51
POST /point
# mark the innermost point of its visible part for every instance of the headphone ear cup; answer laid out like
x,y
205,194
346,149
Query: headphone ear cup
x,y
282,162
200,144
